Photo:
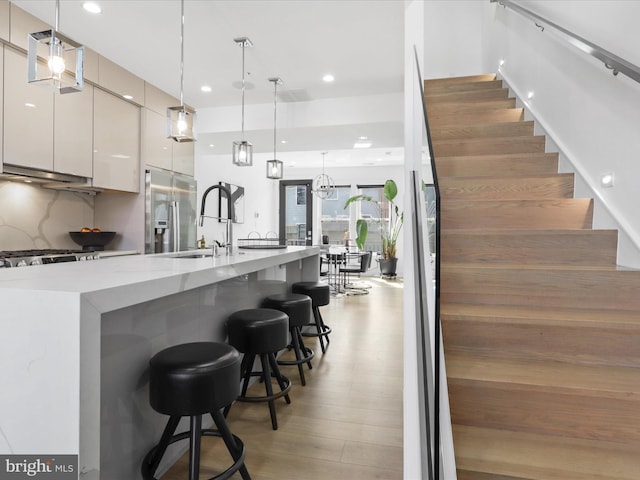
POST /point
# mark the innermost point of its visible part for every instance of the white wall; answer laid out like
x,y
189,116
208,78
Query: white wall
x,y
591,116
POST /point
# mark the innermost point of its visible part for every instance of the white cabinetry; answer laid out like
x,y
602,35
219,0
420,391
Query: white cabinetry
x,y
118,80
73,132
116,137
28,117
4,20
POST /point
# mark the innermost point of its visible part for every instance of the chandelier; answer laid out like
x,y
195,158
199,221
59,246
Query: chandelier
x,y
323,185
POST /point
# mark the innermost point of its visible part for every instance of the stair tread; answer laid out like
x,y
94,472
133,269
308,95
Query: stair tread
x,y
543,457
590,380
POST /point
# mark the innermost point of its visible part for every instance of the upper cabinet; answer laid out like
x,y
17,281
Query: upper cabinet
x,y
22,24
116,143
28,117
118,80
73,132
4,20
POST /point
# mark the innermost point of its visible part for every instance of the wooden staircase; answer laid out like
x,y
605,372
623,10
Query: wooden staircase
x,y
541,328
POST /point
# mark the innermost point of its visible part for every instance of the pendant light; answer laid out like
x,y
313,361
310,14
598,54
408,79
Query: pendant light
x,y
275,167
323,185
65,59
181,120
243,150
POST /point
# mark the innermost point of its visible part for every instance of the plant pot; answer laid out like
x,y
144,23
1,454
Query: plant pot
x,y
388,266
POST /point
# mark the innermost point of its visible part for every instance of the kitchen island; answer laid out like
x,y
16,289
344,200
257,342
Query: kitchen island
x,y
77,338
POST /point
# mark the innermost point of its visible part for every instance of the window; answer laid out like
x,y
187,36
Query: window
x,y
377,216
335,219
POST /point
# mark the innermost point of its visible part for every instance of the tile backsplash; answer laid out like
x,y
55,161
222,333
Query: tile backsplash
x,y
33,217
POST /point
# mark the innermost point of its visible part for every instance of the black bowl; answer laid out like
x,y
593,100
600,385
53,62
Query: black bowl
x,y
92,240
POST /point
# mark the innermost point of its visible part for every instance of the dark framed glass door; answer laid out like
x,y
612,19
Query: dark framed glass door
x,y
296,212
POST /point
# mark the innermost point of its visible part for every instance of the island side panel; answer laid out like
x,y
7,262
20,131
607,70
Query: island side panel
x,y
40,358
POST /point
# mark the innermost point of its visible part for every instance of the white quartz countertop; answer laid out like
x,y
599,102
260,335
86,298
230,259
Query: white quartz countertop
x,y
123,272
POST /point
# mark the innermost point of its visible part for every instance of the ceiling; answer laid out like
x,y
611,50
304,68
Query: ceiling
x,y
360,42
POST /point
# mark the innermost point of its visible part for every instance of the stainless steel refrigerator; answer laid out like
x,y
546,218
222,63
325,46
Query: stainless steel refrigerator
x,y
170,213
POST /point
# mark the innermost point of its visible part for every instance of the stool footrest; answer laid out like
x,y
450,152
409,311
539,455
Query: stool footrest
x,y
267,398
307,356
208,432
326,330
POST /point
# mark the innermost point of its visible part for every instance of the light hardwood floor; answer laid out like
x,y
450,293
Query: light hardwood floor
x,y
346,423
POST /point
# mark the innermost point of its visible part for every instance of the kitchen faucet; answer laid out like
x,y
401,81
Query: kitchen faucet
x,y
229,219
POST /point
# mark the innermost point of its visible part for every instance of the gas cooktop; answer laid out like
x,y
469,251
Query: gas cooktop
x,y
23,258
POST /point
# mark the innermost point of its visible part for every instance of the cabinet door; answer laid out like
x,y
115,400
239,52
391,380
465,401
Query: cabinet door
x,y
156,146
28,116
4,20
183,157
116,141
73,132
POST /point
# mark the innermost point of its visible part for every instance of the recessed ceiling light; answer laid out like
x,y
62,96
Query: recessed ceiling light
x,y
530,95
363,138
362,145
205,88
606,180
128,97
92,7
328,78
211,145
283,141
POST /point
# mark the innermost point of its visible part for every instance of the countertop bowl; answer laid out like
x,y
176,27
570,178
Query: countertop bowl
x,y
92,240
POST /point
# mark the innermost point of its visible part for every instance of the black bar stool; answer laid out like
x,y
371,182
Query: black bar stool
x,y
320,294
262,332
190,380
298,309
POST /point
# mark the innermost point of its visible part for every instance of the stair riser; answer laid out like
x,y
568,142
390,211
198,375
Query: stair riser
x,y
433,89
550,214
486,188
513,129
498,165
543,411
580,343
488,146
548,287
439,109
466,80
467,97
502,115
552,248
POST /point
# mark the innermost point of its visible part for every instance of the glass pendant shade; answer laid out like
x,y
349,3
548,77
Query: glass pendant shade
x,y
181,124
275,169
63,70
181,120
242,153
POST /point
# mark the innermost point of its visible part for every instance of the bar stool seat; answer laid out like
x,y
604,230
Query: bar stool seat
x,y
190,380
298,308
260,332
320,294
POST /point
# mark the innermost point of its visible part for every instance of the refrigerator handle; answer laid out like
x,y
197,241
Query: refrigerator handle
x,y
175,220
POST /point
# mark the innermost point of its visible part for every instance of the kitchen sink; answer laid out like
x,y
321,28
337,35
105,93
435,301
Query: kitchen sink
x,y
194,255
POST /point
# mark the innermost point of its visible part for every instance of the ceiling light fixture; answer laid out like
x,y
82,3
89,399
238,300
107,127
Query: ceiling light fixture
x,y
92,7
243,150
328,78
205,88
362,144
606,180
61,52
181,120
275,167
323,185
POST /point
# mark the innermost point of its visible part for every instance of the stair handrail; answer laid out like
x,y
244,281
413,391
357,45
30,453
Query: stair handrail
x,y
437,328
610,60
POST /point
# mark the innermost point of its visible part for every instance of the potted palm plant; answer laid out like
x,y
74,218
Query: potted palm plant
x,y
389,232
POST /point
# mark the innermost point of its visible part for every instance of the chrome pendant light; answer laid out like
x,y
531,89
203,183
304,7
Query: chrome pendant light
x,y
181,120
65,59
275,168
243,150
323,185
